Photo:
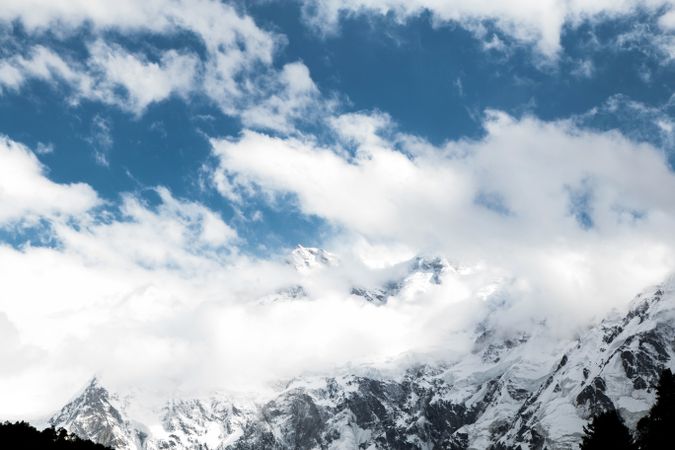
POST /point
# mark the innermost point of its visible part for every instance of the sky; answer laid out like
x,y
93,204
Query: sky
x,y
159,161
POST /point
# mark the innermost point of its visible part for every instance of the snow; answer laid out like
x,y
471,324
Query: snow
x,y
634,405
502,374
309,259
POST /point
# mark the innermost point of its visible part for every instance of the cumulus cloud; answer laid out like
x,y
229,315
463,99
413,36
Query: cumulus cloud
x,y
144,82
113,266
27,195
40,63
155,294
232,64
569,212
529,21
163,329
292,96
177,234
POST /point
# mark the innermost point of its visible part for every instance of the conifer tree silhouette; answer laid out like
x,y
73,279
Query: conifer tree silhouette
x,y
22,436
656,430
607,431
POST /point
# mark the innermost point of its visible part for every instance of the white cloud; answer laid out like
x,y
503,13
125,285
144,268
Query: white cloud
x,y
293,96
111,274
235,69
111,75
584,69
165,328
27,195
101,139
667,21
44,148
15,356
521,199
538,22
158,295
638,121
158,298
177,235
145,82
646,39
42,63
108,70
216,23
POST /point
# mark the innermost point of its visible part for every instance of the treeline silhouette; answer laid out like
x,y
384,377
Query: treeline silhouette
x,y
22,436
655,431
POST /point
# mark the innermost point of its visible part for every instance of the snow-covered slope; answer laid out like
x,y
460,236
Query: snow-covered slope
x,y
420,274
615,365
97,414
307,259
127,423
521,389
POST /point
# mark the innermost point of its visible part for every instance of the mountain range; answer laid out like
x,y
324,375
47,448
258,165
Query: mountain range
x,y
520,390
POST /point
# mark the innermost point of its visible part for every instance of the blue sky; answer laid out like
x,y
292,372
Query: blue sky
x,y
434,80
163,157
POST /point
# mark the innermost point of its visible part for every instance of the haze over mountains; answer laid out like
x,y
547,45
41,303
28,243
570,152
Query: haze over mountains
x,y
521,388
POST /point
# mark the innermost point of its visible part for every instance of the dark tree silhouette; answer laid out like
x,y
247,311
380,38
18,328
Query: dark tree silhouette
x,y
607,431
656,430
22,436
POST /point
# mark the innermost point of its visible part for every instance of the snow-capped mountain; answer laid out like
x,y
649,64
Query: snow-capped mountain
x,y
180,423
522,389
95,415
421,272
615,365
417,275
307,259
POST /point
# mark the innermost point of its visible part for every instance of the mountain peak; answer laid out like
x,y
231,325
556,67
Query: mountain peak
x,y
96,415
435,265
307,259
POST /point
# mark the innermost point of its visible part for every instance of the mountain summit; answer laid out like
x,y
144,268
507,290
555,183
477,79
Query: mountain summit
x,y
307,259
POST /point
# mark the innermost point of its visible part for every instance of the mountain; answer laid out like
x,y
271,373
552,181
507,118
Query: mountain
x,y
180,423
416,276
522,389
615,365
96,415
420,273
307,259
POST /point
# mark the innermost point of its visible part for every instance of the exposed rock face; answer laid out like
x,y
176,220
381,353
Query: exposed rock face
x,y
94,415
517,391
614,366
179,424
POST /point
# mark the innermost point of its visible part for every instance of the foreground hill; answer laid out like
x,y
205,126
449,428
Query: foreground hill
x,y
22,436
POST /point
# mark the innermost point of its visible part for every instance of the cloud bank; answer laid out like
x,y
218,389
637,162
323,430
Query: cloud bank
x,y
27,196
570,211
560,222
